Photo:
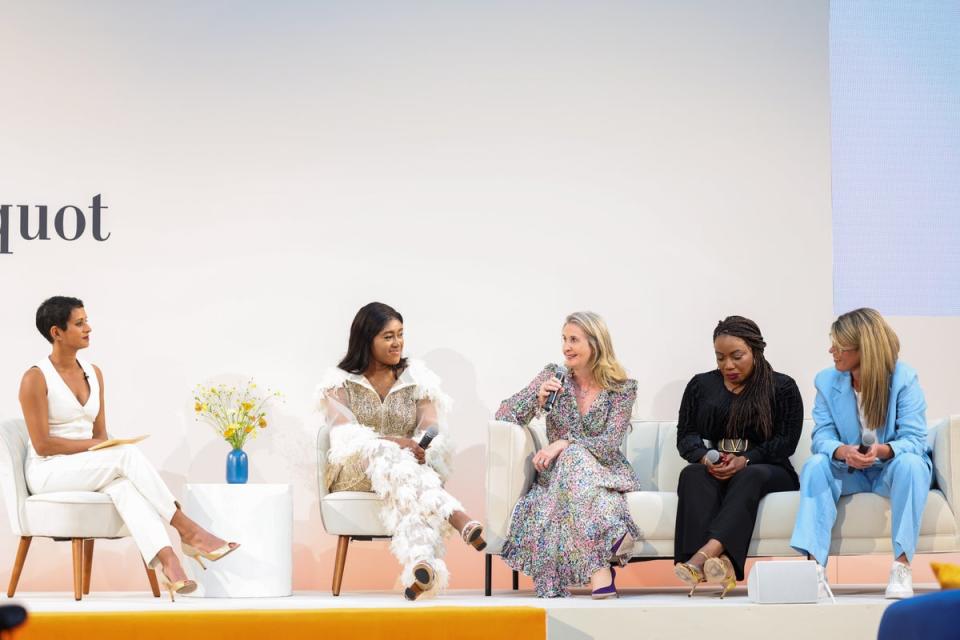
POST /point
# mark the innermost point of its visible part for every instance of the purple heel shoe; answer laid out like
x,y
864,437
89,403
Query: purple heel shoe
x,y
609,591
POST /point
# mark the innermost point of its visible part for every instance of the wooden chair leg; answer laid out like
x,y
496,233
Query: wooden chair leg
x,y
18,564
77,568
87,565
342,544
152,577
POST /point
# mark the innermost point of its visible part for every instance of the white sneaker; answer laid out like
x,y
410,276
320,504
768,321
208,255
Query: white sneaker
x,y
901,582
823,587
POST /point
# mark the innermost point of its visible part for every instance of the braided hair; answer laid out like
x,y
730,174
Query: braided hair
x,y
753,405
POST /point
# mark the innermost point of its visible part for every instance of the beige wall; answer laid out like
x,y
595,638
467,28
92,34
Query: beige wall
x,y
484,168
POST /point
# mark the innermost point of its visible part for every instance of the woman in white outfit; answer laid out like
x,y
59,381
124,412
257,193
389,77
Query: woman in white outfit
x,y
378,405
62,401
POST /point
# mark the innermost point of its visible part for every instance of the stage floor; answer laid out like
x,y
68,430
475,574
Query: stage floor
x,y
652,613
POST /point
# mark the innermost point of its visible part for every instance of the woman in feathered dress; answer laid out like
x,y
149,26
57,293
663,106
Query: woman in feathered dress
x,y
378,405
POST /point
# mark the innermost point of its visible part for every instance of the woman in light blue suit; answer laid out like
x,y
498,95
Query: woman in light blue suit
x,y
867,393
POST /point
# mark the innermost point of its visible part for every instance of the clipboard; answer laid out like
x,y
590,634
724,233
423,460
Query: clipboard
x,y
113,442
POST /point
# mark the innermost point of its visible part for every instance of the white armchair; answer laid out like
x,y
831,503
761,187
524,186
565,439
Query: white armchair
x,y
863,521
78,516
350,515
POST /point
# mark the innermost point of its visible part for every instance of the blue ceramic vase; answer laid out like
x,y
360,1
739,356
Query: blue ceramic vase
x,y
237,467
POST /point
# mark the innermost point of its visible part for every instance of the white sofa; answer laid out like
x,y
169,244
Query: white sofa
x,y
863,522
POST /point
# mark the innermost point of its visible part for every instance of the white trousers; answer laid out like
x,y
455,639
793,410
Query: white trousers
x,y
123,473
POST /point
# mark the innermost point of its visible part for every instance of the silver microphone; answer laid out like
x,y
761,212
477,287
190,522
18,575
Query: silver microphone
x,y
713,456
867,440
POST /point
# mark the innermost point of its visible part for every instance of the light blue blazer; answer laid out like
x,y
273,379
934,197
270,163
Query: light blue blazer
x,y
837,422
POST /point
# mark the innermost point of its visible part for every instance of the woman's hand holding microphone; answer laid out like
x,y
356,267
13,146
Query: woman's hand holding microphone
x,y
548,387
544,458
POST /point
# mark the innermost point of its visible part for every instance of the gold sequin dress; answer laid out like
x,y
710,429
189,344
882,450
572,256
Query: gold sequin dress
x,y
395,416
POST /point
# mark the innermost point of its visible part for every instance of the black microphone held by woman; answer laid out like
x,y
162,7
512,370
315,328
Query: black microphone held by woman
x,y
561,375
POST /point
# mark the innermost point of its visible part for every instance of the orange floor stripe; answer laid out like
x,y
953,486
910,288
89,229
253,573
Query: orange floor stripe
x,y
427,623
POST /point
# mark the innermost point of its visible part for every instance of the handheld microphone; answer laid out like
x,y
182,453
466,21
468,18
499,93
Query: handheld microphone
x,y
713,456
866,441
429,436
561,375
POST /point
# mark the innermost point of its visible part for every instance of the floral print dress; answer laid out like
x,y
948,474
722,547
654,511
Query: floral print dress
x,y
563,529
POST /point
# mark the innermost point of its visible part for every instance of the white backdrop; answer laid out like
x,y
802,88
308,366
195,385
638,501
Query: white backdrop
x,y
484,168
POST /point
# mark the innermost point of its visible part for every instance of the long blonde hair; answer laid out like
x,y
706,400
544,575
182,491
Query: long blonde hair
x,y
866,330
606,369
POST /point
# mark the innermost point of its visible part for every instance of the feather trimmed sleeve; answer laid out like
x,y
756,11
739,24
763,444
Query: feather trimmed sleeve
x,y
347,436
433,406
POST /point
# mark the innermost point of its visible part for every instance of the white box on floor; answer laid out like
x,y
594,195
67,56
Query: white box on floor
x,y
783,582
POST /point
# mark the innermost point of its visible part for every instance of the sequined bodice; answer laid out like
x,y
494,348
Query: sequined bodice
x,y
395,416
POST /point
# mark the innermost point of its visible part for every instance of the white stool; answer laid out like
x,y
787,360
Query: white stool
x,y
260,518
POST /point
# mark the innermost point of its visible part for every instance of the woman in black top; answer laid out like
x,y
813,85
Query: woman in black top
x,y
752,417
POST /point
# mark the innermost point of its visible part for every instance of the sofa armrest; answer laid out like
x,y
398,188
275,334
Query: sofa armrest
x,y
510,472
946,461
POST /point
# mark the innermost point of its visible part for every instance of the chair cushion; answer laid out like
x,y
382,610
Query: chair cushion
x,y
71,497
864,515
354,513
72,514
654,513
867,515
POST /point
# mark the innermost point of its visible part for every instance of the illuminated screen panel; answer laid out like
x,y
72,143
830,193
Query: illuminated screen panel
x,y
895,93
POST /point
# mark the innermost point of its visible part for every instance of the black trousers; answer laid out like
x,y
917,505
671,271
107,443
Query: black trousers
x,y
725,510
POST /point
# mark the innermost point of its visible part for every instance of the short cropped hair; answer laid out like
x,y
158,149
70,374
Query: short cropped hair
x,y
55,312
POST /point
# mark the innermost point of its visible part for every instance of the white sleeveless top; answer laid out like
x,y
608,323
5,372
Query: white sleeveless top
x,y
67,417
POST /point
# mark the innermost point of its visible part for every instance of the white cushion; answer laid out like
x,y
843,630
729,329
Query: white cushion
x,y
867,515
72,514
654,512
354,513
71,497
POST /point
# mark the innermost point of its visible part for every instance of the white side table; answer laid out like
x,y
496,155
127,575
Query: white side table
x,y
260,518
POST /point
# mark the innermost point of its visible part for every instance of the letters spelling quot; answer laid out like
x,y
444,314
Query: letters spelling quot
x,y
40,228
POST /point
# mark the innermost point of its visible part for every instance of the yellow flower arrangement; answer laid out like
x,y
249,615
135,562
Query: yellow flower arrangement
x,y
234,413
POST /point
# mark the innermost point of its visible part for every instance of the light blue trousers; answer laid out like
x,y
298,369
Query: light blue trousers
x,y
905,479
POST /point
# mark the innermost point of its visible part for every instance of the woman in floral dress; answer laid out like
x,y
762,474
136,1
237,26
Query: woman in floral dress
x,y
574,523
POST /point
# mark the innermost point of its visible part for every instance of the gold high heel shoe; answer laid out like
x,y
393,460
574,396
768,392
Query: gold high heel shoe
x,y
690,574
212,556
720,570
473,535
180,586
423,577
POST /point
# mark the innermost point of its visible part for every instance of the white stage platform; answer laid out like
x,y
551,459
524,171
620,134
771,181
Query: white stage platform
x,y
646,613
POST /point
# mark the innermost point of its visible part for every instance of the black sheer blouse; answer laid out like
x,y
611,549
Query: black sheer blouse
x,y
705,409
